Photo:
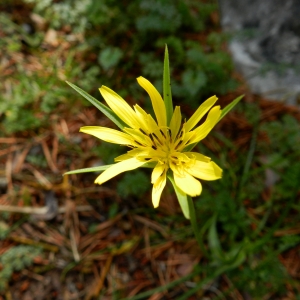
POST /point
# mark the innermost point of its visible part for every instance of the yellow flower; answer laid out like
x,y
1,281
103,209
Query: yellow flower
x,y
154,141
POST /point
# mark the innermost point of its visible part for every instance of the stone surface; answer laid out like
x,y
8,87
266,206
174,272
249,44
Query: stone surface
x,y
265,45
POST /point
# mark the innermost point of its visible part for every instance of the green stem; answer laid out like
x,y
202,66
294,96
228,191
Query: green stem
x,y
195,227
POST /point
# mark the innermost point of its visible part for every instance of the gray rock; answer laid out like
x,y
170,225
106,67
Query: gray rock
x,y
265,45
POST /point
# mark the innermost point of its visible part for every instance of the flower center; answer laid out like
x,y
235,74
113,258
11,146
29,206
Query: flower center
x,y
157,144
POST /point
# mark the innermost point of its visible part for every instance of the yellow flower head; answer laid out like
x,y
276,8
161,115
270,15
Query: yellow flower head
x,y
157,142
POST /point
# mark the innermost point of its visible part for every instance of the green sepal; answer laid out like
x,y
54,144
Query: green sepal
x,y
181,196
103,108
189,147
167,87
87,170
230,106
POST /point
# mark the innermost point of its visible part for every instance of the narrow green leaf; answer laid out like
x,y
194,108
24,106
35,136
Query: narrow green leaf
x,y
167,87
235,255
213,240
195,225
236,261
182,198
87,170
230,106
103,108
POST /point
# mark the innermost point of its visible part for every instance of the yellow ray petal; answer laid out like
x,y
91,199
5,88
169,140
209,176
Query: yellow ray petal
x,y
175,122
205,170
188,184
119,106
187,137
145,152
156,99
138,109
152,126
122,157
108,135
138,137
200,112
120,167
197,156
157,189
137,153
203,130
142,154
157,172
142,117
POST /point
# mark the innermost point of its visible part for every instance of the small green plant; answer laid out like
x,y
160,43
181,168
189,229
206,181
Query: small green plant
x,y
61,13
14,260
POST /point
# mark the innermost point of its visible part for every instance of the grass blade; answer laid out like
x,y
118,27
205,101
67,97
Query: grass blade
x,y
87,170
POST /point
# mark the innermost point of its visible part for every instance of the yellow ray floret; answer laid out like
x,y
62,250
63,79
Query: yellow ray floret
x,y
200,112
108,135
188,184
119,106
156,99
116,169
158,187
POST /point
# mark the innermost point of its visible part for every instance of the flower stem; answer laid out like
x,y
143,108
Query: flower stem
x,y
197,231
